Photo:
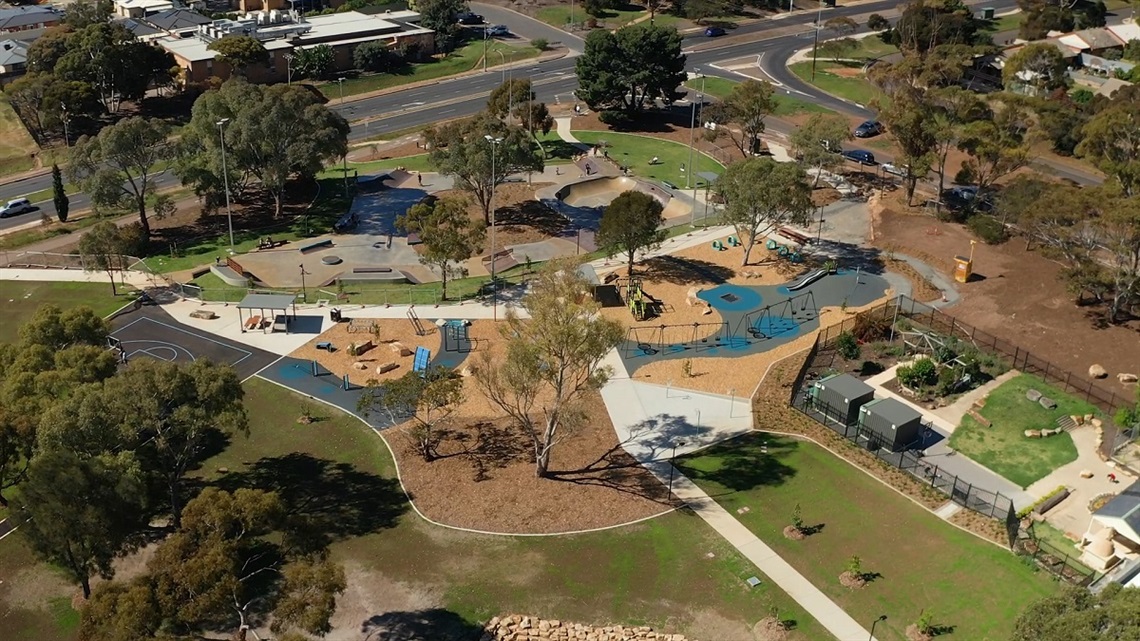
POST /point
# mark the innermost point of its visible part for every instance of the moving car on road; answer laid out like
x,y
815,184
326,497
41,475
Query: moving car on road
x,y
860,156
470,18
498,30
16,207
714,32
869,129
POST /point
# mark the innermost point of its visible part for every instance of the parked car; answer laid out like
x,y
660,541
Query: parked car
x,y
869,129
16,207
966,197
498,30
714,32
860,156
896,170
470,18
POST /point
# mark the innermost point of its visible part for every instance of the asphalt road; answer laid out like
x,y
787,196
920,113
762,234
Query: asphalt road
x,y
772,41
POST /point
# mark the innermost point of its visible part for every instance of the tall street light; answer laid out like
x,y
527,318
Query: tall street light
x,y
288,68
484,49
815,45
692,134
226,178
676,444
304,290
494,282
882,617
340,83
66,119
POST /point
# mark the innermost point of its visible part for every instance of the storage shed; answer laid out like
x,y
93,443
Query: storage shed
x,y
893,423
840,396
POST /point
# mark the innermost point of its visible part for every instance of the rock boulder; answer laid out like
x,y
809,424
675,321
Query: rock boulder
x,y
1097,371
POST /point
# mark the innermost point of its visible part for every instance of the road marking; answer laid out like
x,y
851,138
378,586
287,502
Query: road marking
x,y
412,104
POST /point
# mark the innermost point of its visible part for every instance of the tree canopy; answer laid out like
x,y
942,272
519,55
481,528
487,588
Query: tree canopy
x,y
274,134
447,233
1077,613
239,52
631,68
745,108
1038,66
819,141
1112,143
427,398
761,194
926,25
631,223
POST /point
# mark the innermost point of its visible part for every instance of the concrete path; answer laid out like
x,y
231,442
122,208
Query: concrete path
x,y
698,420
564,125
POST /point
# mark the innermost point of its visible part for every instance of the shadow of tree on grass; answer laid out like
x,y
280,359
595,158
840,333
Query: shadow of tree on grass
x,y
436,624
741,464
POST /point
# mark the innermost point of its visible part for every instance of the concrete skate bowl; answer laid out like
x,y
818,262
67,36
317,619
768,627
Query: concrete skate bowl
x,y
582,202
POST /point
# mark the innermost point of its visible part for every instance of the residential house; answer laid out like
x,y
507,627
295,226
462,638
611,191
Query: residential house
x,y
181,23
1092,41
28,18
143,31
13,57
1113,533
141,8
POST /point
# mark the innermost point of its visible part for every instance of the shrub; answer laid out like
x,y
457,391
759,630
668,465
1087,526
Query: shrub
x,y
921,373
869,329
540,43
870,368
965,176
1081,96
947,381
945,354
988,228
847,345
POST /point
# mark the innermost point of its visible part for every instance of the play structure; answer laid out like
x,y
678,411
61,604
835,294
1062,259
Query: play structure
x,y
779,319
640,304
675,339
415,320
790,252
455,335
808,279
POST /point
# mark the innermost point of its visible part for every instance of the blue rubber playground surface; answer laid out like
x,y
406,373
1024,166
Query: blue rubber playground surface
x,y
311,379
754,319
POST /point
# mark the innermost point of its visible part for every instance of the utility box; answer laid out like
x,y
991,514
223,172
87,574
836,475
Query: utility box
x,y
892,423
988,13
840,396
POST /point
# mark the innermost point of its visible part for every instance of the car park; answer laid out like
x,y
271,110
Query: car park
x,y
498,30
869,129
16,207
714,32
470,18
860,156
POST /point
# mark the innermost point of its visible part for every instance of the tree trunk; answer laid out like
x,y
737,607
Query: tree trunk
x,y
542,463
144,223
629,271
277,207
111,273
175,506
85,583
748,251
443,280
3,501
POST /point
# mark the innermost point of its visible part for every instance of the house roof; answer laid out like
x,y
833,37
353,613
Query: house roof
x,y
1125,32
13,52
17,17
1125,505
846,385
1099,38
894,411
1110,86
140,29
176,20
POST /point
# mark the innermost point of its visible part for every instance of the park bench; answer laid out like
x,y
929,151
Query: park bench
x,y
319,244
253,322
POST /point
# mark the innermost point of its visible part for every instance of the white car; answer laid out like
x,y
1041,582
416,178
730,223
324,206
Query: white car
x,y
16,207
498,30
895,170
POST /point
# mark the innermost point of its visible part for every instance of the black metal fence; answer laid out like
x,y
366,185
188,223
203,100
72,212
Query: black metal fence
x,y
908,459
1060,563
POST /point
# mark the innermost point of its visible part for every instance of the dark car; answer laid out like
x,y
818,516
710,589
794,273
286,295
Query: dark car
x,y
470,18
860,156
869,129
714,32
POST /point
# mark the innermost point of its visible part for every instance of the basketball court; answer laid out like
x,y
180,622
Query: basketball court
x,y
149,332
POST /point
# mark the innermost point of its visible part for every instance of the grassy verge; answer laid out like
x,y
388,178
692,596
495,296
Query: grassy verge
x,y
786,105
462,59
918,561
559,16
871,47
829,78
17,149
1001,24
667,572
637,151
22,298
1004,448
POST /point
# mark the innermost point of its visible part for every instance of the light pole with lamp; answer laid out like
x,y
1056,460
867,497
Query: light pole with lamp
x,y
304,290
340,83
692,133
494,281
815,45
226,179
66,119
676,444
882,617
484,49
288,68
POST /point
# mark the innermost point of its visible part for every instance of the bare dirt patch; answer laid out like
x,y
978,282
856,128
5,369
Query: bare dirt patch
x,y
34,586
385,150
369,596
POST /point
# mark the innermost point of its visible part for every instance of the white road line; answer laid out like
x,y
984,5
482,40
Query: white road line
x,y
175,349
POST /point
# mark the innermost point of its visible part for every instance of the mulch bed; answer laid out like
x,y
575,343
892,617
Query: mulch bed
x,y
852,581
794,533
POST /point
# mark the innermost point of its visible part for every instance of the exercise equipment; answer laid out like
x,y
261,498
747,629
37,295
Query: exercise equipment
x,y
416,324
455,336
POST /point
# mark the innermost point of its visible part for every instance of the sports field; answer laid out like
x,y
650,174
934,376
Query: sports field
x,y
21,298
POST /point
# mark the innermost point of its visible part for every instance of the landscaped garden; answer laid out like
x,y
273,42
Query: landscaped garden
x,y
912,563
1004,447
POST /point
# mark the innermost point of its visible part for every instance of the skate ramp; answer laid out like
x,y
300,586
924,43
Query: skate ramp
x,y
583,201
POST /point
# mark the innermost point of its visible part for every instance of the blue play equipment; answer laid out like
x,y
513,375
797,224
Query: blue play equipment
x,y
420,360
808,279
455,336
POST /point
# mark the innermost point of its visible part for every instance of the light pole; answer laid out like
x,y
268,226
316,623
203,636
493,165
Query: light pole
x,y
226,179
503,71
882,617
484,49
304,290
288,68
340,83
66,118
692,135
676,444
815,45
494,282
819,234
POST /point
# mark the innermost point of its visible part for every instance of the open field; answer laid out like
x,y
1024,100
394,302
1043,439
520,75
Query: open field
x,y
1004,448
22,298
918,562
636,152
658,573
842,79
17,149
462,59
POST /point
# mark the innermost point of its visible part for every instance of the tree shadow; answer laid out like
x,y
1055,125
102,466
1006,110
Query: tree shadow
x,y
534,214
615,469
746,462
324,499
811,530
434,623
683,271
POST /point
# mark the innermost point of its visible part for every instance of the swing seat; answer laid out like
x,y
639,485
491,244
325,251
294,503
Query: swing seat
x,y
717,245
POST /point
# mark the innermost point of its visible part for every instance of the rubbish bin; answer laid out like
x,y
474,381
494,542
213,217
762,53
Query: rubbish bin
x,y
988,13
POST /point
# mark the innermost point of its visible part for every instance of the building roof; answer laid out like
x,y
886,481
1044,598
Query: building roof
x,y
1125,32
267,301
1099,38
140,29
348,24
143,4
194,49
847,385
176,20
18,17
894,411
13,52
1125,505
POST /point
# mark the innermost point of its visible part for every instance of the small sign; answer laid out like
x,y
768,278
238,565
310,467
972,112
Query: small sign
x,y
752,581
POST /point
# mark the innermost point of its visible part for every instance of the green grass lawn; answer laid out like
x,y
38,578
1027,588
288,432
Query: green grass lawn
x,y
558,16
462,59
871,47
17,148
657,573
786,105
1001,24
636,151
1003,447
925,564
855,89
22,298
